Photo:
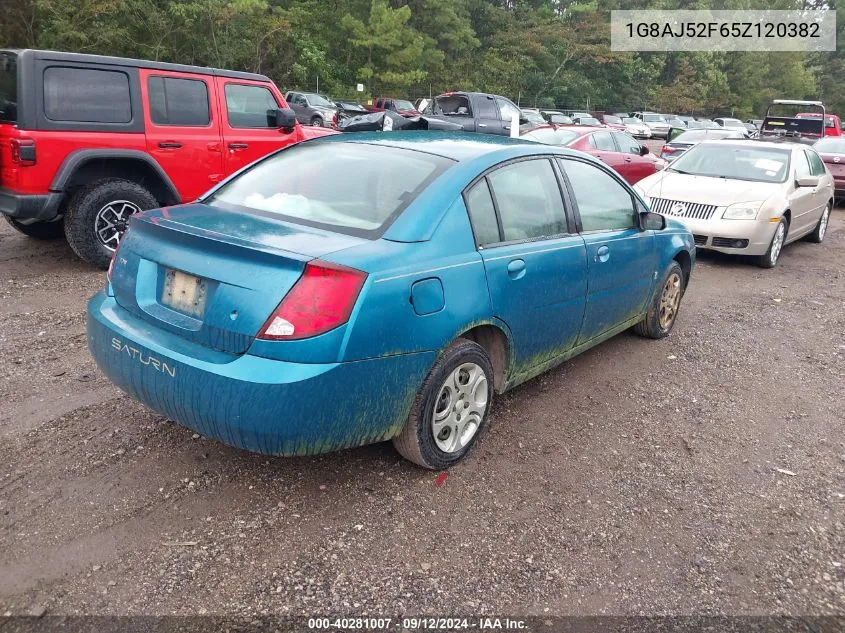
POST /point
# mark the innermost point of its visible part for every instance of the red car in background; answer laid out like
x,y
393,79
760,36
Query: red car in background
x,y
399,106
832,151
832,124
618,150
613,122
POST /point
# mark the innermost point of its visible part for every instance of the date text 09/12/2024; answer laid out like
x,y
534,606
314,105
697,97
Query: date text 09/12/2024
x,y
417,624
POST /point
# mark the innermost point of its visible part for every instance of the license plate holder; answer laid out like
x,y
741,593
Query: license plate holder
x,y
184,293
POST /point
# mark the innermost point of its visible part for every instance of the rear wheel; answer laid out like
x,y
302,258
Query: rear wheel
x,y
770,258
821,228
451,408
38,230
98,214
664,307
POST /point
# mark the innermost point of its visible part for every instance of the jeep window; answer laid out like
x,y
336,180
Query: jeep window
x,y
85,95
250,106
8,88
178,101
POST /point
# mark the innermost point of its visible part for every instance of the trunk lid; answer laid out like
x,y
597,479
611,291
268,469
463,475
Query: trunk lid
x,y
835,163
210,276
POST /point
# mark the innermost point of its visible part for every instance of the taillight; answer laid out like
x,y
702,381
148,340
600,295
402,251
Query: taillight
x,y
321,300
23,151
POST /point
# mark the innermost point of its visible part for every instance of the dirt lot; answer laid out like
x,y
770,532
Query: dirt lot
x,y
704,473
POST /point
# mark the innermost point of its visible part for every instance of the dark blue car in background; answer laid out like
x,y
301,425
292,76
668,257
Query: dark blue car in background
x,y
386,294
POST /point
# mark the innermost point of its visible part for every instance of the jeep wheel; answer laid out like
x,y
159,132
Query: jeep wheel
x,y
98,215
38,230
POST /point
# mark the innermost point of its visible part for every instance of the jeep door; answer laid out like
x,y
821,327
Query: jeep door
x,y
249,121
182,130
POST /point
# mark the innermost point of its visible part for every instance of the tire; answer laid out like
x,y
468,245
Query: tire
x,y
770,258
317,121
818,233
89,208
663,311
417,441
38,230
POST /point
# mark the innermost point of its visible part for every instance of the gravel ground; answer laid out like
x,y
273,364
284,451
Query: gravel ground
x,y
704,473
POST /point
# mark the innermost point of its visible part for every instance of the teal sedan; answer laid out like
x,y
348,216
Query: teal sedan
x,y
370,287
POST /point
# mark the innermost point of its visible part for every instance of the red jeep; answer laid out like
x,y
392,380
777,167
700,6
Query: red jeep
x,y
85,140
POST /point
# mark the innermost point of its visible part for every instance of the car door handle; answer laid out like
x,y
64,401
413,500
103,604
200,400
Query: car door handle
x,y
482,125
516,268
628,159
169,145
603,254
238,145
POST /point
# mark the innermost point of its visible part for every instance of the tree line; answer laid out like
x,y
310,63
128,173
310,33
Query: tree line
x,y
543,53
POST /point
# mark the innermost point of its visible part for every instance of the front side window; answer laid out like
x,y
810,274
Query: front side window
x,y
358,188
482,214
250,106
802,165
627,143
507,110
529,201
612,210
178,101
816,164
85,95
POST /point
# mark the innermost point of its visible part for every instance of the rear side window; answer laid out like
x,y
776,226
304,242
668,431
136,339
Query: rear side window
x,y
529,201
358,189
612,210
602,141
482,214
178,101
85,95
8,88
250,106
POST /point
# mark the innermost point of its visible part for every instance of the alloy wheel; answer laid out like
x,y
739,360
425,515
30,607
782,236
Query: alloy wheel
x,y
670,300
823,222
112,220
777,243
459,408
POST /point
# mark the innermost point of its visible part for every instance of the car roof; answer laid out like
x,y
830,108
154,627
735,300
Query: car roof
x,y
457,146
84,58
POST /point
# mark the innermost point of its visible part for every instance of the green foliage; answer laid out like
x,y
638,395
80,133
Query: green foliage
x,y
542,52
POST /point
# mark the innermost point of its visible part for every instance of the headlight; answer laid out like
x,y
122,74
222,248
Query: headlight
x,y
742,211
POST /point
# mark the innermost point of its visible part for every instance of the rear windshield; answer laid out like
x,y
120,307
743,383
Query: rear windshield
x,y
8,87
612,119
358,189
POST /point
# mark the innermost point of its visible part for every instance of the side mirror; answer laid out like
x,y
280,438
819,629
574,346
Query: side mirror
x,y
650,221
286,119
643,150
807,181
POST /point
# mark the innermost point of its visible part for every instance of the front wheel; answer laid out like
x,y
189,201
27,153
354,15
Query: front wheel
x,y
98,215
770,258
317,121
451,408
664,306
821,228
38,230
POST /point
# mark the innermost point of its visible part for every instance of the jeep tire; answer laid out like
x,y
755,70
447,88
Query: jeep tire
x,y
98,214
38,230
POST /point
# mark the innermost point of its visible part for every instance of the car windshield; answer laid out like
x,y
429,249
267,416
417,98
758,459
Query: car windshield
x,y
560,119
830,145
631,121
318,100
551,136
401,104
695,136
8,88
348,105
612,119
735,162
588,120
653,118
359,188
732,123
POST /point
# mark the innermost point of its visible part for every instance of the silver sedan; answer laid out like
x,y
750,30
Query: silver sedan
x,y
745,197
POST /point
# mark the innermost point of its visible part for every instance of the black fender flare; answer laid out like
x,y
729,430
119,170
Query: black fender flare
x,y
78,158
